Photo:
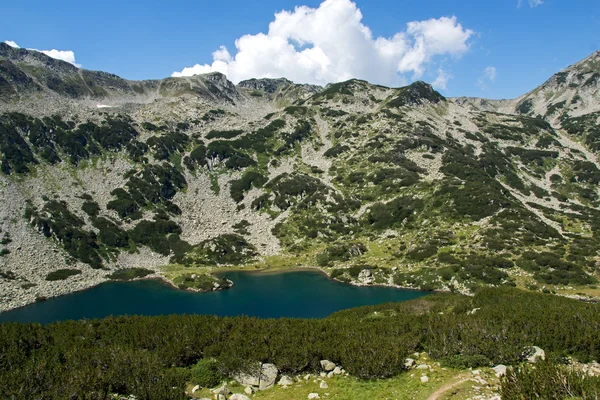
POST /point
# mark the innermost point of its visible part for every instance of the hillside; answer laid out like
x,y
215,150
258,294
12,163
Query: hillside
x,y
375,185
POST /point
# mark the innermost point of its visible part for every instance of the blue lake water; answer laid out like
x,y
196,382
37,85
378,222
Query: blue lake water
x,y
298,294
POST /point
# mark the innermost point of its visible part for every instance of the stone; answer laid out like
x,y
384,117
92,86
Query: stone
x,y
323,374
323,385
330,374
327,365
268,376
239,397
263,378
195,389
285,381
337,371
249,390
409,363
365,277
224,390
422,366
534,353
500,370
307,377
220,397
424,379
313,396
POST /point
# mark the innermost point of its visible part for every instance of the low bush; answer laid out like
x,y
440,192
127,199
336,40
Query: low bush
x,y
62,274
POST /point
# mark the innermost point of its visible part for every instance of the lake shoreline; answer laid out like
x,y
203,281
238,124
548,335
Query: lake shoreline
x,y
303,293
62,290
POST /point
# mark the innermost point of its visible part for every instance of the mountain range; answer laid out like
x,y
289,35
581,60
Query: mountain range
x,y
105,178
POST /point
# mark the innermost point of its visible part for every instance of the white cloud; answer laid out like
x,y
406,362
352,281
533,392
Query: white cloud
x,y
64,55
532,3
441,82
489,75
330,44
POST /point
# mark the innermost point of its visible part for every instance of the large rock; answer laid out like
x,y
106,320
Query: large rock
x,y
337,371
323,385
327,365
365,277
285,381
238,396
500,370
224,390
533,354
313,396
409,363
424,379
264,377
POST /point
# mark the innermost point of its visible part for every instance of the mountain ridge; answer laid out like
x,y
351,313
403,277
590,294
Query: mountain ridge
x,y
374,185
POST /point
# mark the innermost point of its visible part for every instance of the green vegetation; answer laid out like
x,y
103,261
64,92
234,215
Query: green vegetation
x,y
206,373
154,357
223,134
548,380
223,249
415,93
128,274
62,274
247,181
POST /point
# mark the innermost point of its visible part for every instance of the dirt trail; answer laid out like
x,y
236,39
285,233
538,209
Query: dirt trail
x,y
446,388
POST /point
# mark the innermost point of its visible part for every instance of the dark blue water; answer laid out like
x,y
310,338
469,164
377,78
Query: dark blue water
x,y
302,294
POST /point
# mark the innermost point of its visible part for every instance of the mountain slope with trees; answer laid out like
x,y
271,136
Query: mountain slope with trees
x,y
374,185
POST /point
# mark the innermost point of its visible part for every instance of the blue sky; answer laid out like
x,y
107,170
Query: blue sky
x,y
494,49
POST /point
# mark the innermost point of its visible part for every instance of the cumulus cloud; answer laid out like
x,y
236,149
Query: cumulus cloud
x,y
331,44
489,75
65,55
532,3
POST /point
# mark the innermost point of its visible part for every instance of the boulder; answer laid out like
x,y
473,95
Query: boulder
x,y
330,374
337,371
239,397
327,365
365,277
285,381
424,379
313,396
249,390
500,370
323,385
264,377
422,366
224,390
533,354
409,363
195,389
268,376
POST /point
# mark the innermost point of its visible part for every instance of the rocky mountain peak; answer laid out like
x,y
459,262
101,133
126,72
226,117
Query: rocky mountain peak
x,y
268,85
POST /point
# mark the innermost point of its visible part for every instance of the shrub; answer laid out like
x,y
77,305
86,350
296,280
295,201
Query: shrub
x,y
62,274
460,361
128,274
206,373
546,380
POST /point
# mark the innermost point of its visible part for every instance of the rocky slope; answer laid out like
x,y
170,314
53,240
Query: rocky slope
x,y
375,185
